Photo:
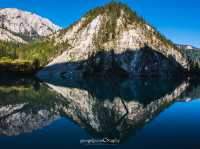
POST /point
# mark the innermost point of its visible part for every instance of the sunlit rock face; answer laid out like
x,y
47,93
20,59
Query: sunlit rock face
x,y
116,30
5,35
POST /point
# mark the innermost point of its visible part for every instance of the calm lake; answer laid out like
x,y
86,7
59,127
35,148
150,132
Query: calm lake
x,y
64,113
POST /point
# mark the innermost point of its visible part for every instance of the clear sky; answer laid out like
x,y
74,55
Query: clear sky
x,y
179,20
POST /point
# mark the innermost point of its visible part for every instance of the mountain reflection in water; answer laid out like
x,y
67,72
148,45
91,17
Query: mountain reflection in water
x,y
104,108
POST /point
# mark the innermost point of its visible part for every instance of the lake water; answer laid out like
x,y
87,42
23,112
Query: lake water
x,y
140,113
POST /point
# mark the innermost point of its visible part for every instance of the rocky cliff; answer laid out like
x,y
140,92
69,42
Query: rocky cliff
x,y
114,36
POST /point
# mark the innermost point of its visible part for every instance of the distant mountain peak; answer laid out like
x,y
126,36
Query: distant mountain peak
x,y
25,25
187,47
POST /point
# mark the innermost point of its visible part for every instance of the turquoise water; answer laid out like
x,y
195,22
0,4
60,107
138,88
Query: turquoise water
x,y
140,113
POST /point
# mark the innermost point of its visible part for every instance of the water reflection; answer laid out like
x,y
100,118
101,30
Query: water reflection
x,y
103,108
114,108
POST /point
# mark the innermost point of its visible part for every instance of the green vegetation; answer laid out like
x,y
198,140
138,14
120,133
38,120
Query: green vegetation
x,y
9,59
41,51
18,66
27,58
8,50
193,56
34,94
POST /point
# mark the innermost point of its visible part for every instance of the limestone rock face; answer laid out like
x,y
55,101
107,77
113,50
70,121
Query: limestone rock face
x,y
5,35
20,26
117,29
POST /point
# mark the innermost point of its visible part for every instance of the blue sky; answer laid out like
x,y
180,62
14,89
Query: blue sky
x,y
179,20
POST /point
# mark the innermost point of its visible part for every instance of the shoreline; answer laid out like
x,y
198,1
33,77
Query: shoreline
x,y
19,67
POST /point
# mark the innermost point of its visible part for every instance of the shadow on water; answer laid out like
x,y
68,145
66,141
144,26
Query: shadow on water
x,y
140,89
